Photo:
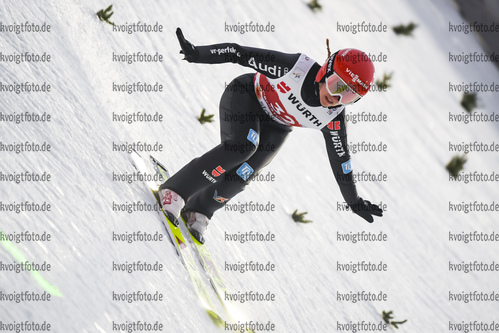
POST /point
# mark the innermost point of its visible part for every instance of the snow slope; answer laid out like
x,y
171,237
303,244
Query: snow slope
x,y
81,192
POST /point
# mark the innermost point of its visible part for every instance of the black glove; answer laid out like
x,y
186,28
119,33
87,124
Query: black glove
x,y
366,210
189,50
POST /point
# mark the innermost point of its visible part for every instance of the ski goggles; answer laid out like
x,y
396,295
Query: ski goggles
x,y
337,87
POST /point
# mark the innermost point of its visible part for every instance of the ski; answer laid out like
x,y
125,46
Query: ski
x,y
181,246
209,266
204,256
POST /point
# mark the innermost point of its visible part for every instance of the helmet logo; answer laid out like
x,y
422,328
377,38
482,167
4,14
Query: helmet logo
x,y
330,64
345,52
355,78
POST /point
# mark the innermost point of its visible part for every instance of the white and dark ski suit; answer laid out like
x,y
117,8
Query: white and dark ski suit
x,y
257,112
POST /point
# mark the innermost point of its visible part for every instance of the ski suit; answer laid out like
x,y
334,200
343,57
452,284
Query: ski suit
x,y
257,112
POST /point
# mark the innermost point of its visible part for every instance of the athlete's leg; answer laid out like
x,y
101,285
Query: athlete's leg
x,y
236,127
214,197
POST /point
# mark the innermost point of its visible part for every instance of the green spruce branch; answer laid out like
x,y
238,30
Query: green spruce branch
x,y
385,83
456,164
387,318
300,217
204,118
405,30
314,5
105,14
468,102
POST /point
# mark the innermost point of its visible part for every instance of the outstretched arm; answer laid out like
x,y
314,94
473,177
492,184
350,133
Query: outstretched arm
x,y
272,64
336,144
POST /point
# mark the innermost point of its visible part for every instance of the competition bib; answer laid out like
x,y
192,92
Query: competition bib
x,y
281,98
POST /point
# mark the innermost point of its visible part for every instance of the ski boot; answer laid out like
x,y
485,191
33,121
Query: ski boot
x,y
172,203
197,224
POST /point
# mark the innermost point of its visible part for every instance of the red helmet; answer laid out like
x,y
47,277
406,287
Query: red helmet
x,y
350,71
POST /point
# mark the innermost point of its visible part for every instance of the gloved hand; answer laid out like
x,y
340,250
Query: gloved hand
x,y
366,210
189,50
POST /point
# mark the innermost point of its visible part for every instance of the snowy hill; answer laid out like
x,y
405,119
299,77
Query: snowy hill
x,y
85,160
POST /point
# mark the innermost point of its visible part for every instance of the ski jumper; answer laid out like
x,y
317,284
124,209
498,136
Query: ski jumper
x,y
257,112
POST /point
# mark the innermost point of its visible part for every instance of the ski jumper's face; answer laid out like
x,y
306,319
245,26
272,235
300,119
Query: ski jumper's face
x,y
326,99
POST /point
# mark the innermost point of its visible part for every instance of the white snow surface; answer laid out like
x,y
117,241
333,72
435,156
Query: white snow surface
x,y
417,220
